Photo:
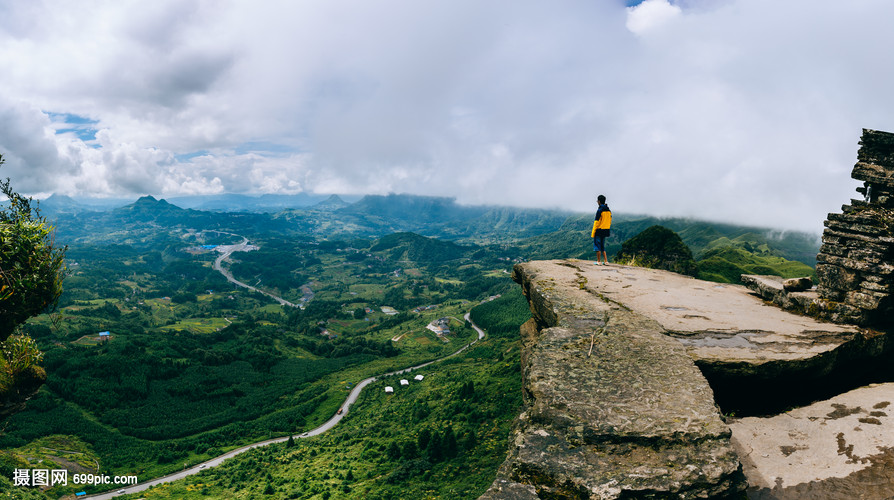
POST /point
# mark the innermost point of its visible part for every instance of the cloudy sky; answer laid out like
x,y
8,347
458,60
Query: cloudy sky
x,y
739,110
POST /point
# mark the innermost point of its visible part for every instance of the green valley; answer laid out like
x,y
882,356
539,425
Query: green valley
x,y
156,362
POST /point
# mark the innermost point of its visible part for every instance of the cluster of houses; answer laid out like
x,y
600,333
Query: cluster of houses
x,y
199,249
424,308
325,332
403,381
440,326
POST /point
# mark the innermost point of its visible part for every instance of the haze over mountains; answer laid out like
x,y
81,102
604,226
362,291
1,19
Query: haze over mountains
x,y
221,203
537,233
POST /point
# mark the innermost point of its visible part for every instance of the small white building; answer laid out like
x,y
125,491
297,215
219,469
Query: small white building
x,y
389,389
418,377
404,381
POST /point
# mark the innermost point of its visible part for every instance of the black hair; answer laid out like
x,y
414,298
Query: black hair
x,y
601,199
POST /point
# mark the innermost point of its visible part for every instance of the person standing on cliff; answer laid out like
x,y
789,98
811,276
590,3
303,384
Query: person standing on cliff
x,y
601,228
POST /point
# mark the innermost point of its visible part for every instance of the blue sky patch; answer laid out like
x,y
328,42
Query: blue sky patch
x,y
189,156
264,147
82,127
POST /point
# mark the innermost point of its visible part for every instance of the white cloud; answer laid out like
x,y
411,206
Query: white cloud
x,y
650,15
741,110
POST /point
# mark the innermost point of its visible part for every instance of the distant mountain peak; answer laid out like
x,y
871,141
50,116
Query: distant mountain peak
x,y
59,197
149,203
332,203
146,200
60,203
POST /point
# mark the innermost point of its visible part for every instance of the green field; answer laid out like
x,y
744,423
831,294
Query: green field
x,y
198,325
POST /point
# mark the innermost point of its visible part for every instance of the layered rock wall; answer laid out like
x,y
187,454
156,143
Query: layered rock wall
x,y
855,265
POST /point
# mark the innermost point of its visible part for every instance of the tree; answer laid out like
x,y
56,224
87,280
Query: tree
x,y
31,271
470,441
448,443
423,438
434,451
31,266
659,248
410,451
394,451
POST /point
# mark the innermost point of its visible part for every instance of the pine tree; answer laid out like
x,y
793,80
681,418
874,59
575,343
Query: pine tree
x,y
434,451
393,451
423,438
448,443
470,441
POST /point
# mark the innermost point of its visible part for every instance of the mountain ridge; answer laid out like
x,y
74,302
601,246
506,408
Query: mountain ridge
x,y
537,233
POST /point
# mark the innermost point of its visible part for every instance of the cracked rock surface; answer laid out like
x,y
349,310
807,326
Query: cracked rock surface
x,y
839,448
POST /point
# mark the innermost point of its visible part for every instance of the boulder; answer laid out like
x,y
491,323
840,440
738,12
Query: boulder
x,y
797,284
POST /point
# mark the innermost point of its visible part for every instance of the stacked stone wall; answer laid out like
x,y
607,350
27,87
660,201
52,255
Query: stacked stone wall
x,y
855,265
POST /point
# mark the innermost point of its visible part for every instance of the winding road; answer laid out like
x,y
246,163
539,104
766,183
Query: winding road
x,y
329,424
225,252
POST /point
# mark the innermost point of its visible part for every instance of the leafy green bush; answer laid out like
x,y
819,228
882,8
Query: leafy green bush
x,y
31,267
20,353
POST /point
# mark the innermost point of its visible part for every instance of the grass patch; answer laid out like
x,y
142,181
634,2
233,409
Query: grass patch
x,y
198,325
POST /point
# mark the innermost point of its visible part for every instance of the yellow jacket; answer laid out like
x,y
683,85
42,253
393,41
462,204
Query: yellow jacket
x,y
603,221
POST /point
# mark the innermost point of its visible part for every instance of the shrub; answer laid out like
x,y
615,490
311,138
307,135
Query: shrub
x,y
659,248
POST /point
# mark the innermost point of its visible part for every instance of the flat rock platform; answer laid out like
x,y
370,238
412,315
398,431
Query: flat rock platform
x,y
717,322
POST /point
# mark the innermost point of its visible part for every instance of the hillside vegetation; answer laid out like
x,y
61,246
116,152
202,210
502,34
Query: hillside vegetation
x,y
442,437
727,264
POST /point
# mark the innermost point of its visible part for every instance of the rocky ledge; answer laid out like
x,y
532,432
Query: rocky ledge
x,y
617,405
614,407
